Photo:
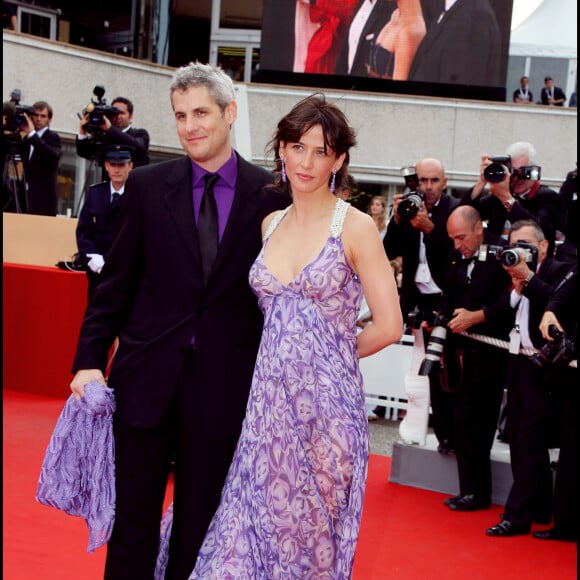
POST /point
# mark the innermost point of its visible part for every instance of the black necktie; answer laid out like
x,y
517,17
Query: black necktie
x,y
115,197
207,225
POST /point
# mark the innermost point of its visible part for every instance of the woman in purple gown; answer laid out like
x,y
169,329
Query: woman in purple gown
x,y
292,502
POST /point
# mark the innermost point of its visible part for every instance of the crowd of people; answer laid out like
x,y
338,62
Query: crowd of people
x,y
239,289
551,95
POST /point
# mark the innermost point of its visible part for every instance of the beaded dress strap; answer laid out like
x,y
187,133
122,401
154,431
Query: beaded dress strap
x,y
275,221
340,210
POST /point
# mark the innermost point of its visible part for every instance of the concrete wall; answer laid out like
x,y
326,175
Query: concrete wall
x,y
392,130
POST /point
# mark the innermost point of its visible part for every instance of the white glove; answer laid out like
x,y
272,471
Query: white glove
x,y
96,262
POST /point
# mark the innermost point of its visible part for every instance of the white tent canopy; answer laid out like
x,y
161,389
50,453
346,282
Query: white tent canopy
x,y
549,31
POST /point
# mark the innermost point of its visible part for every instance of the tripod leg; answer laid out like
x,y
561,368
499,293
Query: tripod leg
x,y
11,186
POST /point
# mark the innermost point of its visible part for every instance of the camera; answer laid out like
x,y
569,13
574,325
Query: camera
x,y
417,317
434,348
512,255
14,112
501,165
518,252
559,351
410,204
97,110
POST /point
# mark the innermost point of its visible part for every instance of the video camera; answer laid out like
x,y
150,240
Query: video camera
x,y
502,165
512,255
559,351
14,113
97,110
411,201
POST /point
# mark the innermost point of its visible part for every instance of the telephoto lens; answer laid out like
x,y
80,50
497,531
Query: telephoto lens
x,y
434,350
495,172
510,257
410,205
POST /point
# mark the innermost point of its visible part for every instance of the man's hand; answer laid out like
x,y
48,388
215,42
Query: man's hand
x,y
519,274
84,377
464,319
29,127
422,221
548,319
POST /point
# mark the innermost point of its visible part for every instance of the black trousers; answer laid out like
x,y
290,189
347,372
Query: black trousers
x,y
529,414
566,506
142,462
478,400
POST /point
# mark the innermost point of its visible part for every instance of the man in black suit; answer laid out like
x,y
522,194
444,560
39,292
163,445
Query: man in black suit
x,y
99,216
475,302
422,242
562,311
92,142
531,388
188,338
567,251
40,153
551,94
369,18
462,46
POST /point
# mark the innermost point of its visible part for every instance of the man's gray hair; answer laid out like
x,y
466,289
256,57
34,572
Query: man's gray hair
x,y
522,148
195,74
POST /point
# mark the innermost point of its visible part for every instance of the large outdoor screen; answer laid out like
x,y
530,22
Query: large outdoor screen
x,y
426,47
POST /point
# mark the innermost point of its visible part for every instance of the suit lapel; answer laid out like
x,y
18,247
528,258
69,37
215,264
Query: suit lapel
x,y
179,201
244,208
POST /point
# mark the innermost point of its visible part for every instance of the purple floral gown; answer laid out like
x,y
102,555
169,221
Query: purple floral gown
x,y
292,501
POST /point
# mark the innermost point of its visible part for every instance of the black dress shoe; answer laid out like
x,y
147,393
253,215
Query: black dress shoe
x,y
469,503
506,528
445,447
554,534
450,500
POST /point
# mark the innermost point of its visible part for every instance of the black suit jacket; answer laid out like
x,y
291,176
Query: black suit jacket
x,y
488,289
539,291
152,296
379,16
403,240
464,48
558,94
98,220
40,172
136,139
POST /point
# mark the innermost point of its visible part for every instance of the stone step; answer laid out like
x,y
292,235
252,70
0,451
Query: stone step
x,y
423,467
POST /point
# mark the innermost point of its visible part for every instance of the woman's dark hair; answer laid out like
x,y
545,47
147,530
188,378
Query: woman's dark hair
x,y
314,110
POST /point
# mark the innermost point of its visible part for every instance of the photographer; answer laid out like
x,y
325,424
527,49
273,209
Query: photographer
x,y
422,242
115,129
517,195
475,301
38,148
567,251
562,312
530,387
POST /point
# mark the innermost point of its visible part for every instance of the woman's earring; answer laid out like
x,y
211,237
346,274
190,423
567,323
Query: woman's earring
x,y
333,181
283,164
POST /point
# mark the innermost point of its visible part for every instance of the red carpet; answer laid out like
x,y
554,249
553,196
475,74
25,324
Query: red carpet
x,y
406,533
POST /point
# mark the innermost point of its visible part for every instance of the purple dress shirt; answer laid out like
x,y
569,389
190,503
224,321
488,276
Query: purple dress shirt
x,y
223,189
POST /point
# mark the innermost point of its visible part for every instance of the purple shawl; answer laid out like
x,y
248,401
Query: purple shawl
x,y
78,471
